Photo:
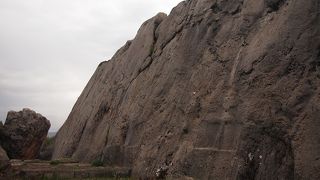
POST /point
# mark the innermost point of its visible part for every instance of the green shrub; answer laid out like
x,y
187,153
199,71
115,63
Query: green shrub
x,y
97,163
151,50
48,141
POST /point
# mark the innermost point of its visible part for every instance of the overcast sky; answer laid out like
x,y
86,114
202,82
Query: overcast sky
x,y
50,48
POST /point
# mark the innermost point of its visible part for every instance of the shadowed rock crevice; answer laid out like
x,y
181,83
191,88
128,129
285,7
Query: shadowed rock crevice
x,y
266,153
275,5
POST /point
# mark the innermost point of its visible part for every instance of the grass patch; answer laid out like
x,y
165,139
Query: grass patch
x,y
97,163
54,162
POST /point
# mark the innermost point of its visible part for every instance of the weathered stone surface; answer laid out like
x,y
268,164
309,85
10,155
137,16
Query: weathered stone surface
x,y
3,154
4,160
23,134
216,90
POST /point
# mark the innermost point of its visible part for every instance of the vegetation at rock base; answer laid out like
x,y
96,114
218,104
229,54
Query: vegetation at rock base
x,y
48,141
99,178
55,162
97,163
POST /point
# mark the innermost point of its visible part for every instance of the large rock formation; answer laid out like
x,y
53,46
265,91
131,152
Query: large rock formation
x,y
23,134
219,89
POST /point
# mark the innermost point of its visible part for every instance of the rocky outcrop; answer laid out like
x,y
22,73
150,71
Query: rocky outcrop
x,y
23,134
216,90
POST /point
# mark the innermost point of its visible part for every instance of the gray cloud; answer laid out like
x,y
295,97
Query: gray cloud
x,y
50,48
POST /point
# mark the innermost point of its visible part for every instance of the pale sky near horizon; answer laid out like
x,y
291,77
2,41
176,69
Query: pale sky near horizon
x,y
50,48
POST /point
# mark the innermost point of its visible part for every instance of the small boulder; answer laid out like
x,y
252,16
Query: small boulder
x,y
4,160
23,134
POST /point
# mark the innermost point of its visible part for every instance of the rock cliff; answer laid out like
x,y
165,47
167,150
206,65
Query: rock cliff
x,y
23,134
218,89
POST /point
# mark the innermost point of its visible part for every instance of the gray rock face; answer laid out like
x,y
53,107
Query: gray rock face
x,y
216,90
23,134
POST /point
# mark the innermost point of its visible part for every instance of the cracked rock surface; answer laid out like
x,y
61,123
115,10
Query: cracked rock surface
x,y
218,89
23,134
4,160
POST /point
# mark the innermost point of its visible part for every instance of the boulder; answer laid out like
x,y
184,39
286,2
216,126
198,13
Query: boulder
x,y
4,160
23,134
